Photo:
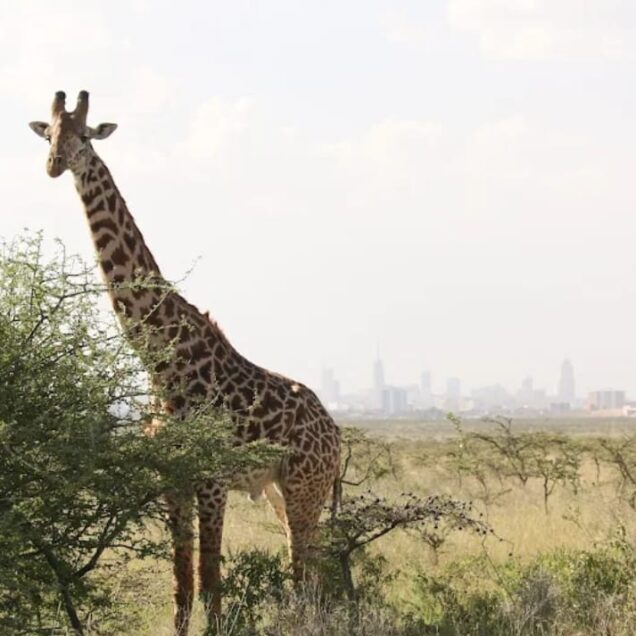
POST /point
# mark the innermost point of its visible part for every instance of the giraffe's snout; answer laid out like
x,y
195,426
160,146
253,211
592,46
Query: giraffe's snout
x,y
55,165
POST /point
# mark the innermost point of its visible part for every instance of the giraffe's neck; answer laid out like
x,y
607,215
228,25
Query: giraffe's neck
x,y
123,255
122,251
137,289
200,361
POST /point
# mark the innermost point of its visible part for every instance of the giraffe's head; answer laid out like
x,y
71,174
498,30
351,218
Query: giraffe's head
x,y
68,134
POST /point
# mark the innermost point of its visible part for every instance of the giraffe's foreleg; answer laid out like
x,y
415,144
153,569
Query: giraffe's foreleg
x,y
181,527
211,499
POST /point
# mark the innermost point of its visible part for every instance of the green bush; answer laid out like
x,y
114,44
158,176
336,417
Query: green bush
x,y
564,592
79,480
253,581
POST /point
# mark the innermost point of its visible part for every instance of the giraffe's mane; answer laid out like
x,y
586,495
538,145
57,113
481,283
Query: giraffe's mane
x,y
215,326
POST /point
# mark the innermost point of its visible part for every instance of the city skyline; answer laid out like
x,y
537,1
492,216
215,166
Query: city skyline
x,y
450,392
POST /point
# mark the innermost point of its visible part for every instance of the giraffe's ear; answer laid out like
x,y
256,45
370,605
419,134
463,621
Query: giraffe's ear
x,y
100,132
39,127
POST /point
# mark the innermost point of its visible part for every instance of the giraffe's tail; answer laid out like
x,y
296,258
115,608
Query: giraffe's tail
x,y
336,496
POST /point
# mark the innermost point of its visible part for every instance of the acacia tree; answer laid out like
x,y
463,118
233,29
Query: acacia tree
x,y
620,454
79,481
360,517
552,459
364,518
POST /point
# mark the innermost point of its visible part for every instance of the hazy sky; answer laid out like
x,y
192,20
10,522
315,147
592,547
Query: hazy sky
x,y
451,179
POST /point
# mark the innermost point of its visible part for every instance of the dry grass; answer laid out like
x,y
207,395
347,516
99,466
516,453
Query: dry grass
x,y
575,521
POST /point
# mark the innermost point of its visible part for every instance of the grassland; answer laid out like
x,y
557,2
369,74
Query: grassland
x,y
581,519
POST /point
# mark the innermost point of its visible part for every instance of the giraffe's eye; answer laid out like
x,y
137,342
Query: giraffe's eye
x,y
83,138
48,138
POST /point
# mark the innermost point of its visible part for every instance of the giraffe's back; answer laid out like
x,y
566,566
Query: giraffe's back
x,y
263,404
290,414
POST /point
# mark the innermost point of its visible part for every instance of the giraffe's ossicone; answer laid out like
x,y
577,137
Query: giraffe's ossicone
x,y
204,366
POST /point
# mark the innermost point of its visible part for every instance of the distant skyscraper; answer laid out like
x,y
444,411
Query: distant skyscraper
x,y
567,392
606,400
394,400
330,387
378,375
426,392
378,382
529,397
425,382
453,394
525,394
493,397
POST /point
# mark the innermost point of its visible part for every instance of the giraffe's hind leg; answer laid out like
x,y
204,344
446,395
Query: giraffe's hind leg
x,y
304,502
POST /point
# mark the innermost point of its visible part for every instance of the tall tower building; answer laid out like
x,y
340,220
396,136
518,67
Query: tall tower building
x,y
330,392
426,392
453,394
525,394
378,375
567,389
378,381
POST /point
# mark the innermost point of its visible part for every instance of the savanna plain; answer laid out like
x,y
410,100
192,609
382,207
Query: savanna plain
x,y
546,545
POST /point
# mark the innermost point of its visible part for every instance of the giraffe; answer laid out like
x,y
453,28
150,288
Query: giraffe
x,y
205,366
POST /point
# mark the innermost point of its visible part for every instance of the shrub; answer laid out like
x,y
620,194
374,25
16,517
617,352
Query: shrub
x,y
587,592
253,581
78,478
